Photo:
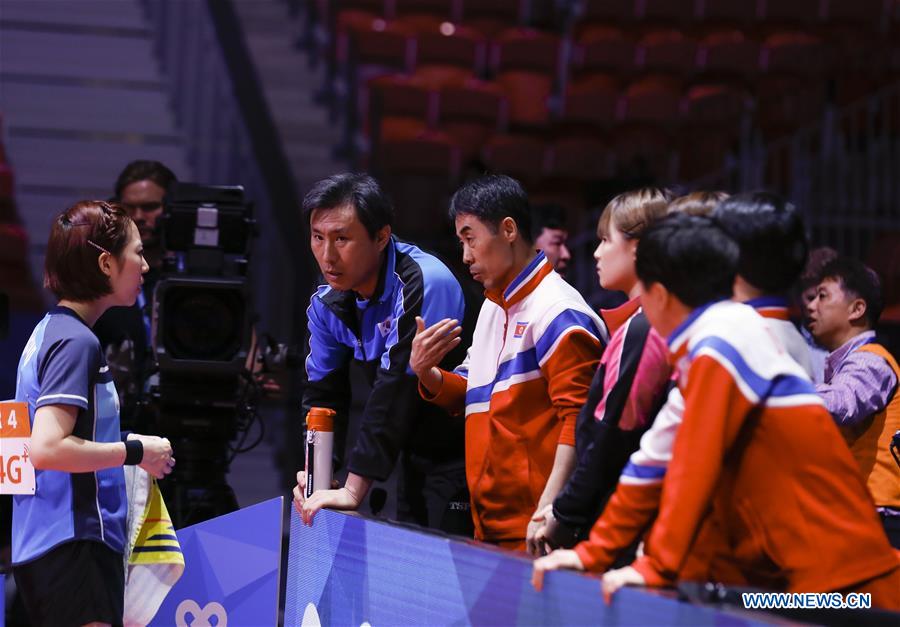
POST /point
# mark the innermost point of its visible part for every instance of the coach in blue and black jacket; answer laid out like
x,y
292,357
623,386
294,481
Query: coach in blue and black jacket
x,y
376,286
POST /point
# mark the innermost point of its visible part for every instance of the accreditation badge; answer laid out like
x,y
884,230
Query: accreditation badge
x,y
16,470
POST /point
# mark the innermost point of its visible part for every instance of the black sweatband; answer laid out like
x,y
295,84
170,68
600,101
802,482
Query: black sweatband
x,y
134,452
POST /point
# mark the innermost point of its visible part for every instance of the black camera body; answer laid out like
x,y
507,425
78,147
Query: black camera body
x,y
201,323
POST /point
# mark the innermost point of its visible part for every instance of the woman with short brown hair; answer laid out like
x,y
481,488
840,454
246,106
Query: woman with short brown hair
x,y
69,537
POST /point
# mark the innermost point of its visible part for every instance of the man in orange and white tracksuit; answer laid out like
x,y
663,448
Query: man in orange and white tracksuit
x,y
535,348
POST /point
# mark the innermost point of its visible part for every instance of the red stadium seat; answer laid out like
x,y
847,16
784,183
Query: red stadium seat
x,y
667,50
492,16
592,101
431,153
603,48
526,62
419,174
470,114
793,52
728,52
385,44
525,49
529,97
715,104
452,45
350,21
399,108
520,156
655,99
439,76
579,159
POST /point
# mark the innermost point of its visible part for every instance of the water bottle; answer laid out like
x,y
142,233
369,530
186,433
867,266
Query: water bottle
x,y
319,449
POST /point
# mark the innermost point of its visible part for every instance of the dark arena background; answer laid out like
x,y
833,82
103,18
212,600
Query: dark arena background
x,y
251,102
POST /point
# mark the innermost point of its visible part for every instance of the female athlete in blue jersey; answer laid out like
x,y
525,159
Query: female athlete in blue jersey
x,y
69,538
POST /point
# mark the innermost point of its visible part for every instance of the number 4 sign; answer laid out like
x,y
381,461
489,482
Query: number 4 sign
x,y
16,471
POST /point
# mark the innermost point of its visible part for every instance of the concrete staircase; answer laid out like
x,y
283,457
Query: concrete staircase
x,y
289,83
81,95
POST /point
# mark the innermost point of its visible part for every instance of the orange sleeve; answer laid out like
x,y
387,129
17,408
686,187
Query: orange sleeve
x,y
715,410
628,514
568,372
451,396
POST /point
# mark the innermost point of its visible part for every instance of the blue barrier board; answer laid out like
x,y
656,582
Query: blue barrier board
x,y
348,570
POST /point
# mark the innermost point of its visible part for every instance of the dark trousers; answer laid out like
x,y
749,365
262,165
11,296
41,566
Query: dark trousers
x,y
436,497
892,529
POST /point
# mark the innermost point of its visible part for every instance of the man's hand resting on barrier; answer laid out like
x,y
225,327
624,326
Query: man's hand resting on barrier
x,y
562,558
429,347
347,498
613,580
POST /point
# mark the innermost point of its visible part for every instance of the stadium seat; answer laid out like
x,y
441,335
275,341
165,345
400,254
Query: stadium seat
x,y
667,50
655,99
490,17
715,104
429,153
419,174
452,45
728,53
579,159
603,48
399,108
793,52
520,156
526,62
385,44
592,101
470,114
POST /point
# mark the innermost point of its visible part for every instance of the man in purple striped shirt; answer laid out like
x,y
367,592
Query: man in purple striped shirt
x,y
860,378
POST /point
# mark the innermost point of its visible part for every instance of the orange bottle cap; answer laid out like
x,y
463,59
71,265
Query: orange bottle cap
x,y
320,419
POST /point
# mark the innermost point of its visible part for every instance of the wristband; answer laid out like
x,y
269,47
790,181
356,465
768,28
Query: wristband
x,y
134,452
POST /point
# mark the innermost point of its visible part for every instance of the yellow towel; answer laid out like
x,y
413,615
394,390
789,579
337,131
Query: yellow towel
x,y
154,561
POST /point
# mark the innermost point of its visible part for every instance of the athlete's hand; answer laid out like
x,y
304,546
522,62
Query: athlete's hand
x,y
613,580
157,460
562,558
431,345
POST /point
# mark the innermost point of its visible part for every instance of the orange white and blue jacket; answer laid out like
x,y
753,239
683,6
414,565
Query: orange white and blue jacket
x,y
760,483
535,348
